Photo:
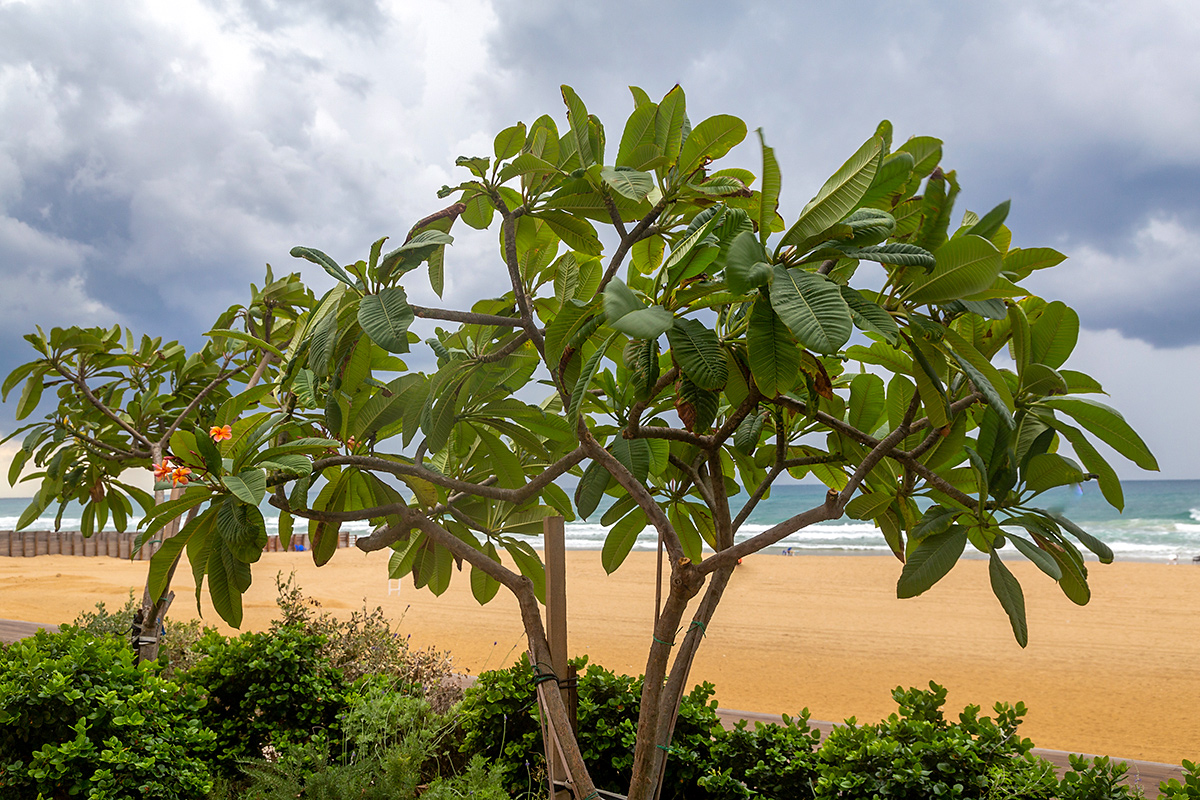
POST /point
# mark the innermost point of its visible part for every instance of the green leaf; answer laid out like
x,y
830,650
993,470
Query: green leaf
x,y
1106,424
868,404
681,253
965,266
576,233
31,395
208,452
590,489
1039,380
629,182
709,140
869,316
1044,561
241,336
936,520
897,253
1102,551
504,464
163,513
1048,470
970,360
772,182
935,556
243,530
634,455
868,505
926,152
249,485
773,355
812,307
1020,262
1080,383
385,318
1008,591
484,586
1053,335
226,575
639,132
746,266
697,350
990,223
627,314
1093,462
620,539
839,196
577,116
326,263
509,141
669,119
891,178
586,375
162,563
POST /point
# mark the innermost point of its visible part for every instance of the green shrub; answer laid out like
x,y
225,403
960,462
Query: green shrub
x,y
1096,779
1188,790
498,718
78,718
916,754
265,689
765,761
391,746
176,648
366,645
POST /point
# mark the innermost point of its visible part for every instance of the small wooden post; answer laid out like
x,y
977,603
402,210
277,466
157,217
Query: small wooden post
x,y
556,632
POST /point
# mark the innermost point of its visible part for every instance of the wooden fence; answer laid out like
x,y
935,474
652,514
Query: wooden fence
x,y
25,544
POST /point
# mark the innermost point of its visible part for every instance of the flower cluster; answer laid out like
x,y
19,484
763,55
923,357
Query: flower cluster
x,y
178,474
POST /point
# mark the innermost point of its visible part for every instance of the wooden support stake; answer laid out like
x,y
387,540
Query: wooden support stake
x,y
556,631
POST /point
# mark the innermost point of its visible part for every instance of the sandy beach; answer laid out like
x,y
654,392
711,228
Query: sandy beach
x,y
1120,676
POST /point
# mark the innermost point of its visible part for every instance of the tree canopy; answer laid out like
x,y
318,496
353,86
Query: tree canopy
x,y
680,363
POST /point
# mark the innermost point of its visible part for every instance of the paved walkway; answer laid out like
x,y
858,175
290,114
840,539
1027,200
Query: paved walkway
x,y
1146,773
11,629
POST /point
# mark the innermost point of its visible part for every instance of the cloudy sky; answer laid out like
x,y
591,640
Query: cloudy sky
x,y
154,156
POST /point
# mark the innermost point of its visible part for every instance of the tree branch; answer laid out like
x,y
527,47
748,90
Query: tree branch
x,y
729,556
520,495
466,317
81,384
629,241
221,378
505,351
639,493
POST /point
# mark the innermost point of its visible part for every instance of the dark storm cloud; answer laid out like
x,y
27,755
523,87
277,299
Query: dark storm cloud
x,y
154,156
1080,114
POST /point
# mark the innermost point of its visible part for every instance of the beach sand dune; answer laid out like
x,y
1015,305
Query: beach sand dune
x,y
1120,676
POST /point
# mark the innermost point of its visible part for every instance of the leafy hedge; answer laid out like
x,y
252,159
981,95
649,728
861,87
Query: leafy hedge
x,y
268,716
78,718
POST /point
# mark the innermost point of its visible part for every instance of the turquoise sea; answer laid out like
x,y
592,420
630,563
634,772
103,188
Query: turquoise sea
x,y
1161,520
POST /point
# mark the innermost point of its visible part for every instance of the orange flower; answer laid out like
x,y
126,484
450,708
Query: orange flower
x,y
220,433
179,477
162,471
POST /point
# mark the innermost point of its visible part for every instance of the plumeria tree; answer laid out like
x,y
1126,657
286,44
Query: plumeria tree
x,y
127,404
681,371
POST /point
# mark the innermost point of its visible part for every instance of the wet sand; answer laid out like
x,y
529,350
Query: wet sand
x,y
1120,676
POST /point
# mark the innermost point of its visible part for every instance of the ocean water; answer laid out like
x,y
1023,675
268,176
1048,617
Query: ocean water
x,y
1161,520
